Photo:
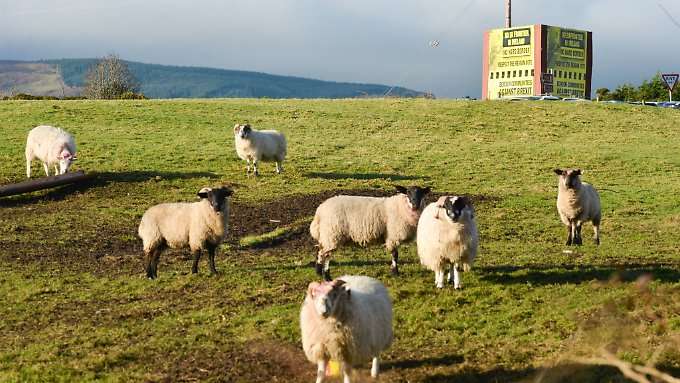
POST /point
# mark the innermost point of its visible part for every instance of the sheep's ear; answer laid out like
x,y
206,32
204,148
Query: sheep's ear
x,y
338,282
426,190
203,193
236,128
227,191
400,189
559,172
577,172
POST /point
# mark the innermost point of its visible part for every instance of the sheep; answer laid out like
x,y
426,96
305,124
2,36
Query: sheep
x,y
577,202
365,220
197,225
447,236
52,146
348,320
259,145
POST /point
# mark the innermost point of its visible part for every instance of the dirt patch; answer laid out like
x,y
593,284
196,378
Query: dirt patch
x,y
256,361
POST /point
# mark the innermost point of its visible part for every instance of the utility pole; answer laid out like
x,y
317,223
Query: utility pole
x,y
508,14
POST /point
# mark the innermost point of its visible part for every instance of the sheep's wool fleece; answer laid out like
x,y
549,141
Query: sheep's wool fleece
x,y
365,331
46,143
582,204
441,242
192,223
364,220
265,145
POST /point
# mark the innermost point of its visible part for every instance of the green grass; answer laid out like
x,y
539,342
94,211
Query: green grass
x,y
74,303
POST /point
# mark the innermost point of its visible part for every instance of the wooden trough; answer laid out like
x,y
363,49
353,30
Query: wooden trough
x,y
44,183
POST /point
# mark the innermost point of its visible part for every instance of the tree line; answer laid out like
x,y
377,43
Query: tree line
x,y
650,90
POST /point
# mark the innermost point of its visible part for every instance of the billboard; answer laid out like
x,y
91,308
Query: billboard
x,y
566,58
511,62
516,58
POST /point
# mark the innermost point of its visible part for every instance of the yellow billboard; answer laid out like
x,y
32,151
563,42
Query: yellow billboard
x,y
567,59
510,62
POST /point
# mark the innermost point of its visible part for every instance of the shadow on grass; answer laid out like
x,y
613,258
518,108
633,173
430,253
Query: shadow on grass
x,y
560,274
445,360
364,176
563,373
100,180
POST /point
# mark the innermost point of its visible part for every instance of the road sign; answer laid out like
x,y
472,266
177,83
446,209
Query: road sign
x,y
670,79
547,82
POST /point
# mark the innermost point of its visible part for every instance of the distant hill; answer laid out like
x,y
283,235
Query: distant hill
x,y
66,77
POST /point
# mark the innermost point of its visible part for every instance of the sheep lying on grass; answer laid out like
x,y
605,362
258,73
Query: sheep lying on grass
x,y
197,225
577,202
348,320
52,146
447,237
365,220
259,145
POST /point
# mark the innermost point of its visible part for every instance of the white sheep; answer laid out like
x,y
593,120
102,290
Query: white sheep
x,y
52,146
366,220
197,225
577,202
348,320
259,145
447,236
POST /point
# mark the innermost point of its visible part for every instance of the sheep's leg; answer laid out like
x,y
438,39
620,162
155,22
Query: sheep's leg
x,y
197,256
279,167
247,165
395,258
375,367
456,278
577,234
152,257
255,167
56,170
569,235
439,279
596,229
321,370
346,372
47,169
28,168
323,264
211,257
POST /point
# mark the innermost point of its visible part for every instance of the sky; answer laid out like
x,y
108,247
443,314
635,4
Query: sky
x,y
369,41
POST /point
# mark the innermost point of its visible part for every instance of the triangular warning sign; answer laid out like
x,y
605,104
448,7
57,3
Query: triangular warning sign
x,y
670,79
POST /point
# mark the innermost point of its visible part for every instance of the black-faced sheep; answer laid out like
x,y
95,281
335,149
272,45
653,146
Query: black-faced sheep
x,y
365,220
447,238
52,146
197,225
348,320
259,145
577,202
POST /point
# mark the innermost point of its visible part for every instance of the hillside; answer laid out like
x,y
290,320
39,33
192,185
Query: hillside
x,y
163,81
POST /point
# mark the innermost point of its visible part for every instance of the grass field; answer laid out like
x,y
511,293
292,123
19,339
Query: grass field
x,y
75,306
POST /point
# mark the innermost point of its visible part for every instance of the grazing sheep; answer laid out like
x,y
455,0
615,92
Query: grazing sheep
x,y
197,225
365,220
348,320
52,146
259,145
447,236
577,202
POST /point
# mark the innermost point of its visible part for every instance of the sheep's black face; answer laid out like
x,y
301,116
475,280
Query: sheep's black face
x,y
455,206
415,195
216,197
570,177
244,132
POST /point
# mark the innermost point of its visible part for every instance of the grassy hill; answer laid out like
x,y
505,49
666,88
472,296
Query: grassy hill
x,y
163,81
75,304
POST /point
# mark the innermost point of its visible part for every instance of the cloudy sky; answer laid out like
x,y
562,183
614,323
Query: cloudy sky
x,y
377,41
